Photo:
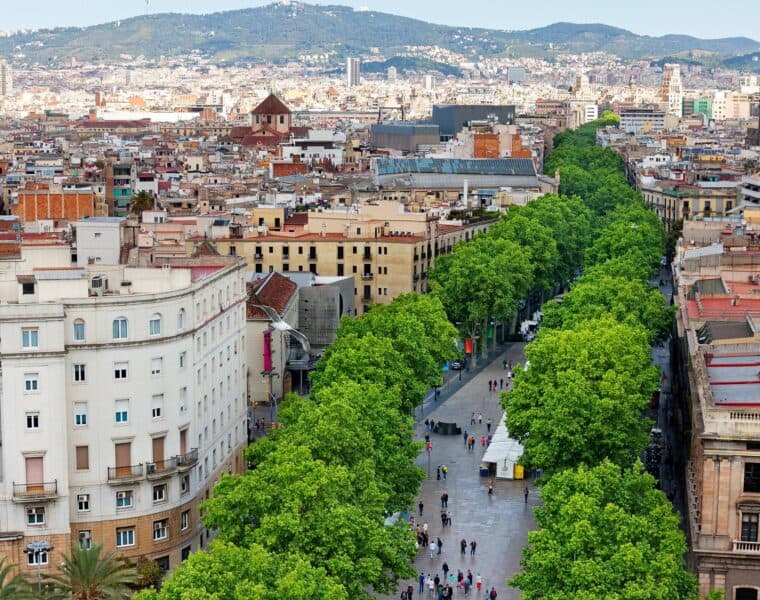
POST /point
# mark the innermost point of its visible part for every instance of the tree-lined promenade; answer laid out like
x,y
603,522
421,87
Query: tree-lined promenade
x,y
308,520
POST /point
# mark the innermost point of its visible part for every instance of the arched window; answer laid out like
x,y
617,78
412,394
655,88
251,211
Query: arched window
x,y
120,328
79,330
181,319
155,324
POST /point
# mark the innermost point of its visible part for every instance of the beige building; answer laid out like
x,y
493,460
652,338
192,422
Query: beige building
x,y
675,201
386,247
719,345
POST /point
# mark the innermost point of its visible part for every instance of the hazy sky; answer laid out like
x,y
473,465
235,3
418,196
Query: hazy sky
x,y
702,18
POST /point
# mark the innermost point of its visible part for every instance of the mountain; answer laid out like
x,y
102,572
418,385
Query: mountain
x,y
286,30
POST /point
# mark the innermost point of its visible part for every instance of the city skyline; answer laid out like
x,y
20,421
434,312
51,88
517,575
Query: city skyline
x,y
677,17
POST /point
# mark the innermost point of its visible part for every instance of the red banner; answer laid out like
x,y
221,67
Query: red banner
x,y
267,351
468,346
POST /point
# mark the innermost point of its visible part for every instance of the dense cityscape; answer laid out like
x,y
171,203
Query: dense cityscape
x,y
319,302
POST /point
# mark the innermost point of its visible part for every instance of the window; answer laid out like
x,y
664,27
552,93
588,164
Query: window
x,y
120,370
37,558
80,413
121,413
745,593
35,515
85,539
125,537
156,364
154,325
181,319
182,399
160,530
749,527
184,520
79,330
31,382
30,338
120,328
83,458
185,553
182,359
752,477
79,373
159,493
163,563
157,406
83,502
124,499
184,484
32,420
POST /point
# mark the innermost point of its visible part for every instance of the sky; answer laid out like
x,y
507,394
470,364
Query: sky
x,y
701,18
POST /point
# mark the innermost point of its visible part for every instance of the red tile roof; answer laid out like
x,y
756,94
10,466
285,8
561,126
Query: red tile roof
x,y
274,290
271,105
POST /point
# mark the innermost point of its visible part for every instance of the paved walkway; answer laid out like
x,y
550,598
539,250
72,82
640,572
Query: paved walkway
x,y
499,523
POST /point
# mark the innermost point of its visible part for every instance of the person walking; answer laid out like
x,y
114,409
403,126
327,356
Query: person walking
x,y
469,576
501,384
445,500
427,424
448,518
483,441
438,472
443,518
490,488
505,365
480,418
444,470
478,582
443,504
465,435
439,541
463,547
488,425
422,583
410,592
526,493
492,594
445,568
431,585
432,549
472,418
420,505
473,546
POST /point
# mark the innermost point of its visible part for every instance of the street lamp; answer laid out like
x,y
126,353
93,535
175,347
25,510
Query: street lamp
x,y
36,549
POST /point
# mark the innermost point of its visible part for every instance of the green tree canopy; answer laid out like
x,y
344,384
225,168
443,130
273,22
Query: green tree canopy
x,y
537,241
605,533
594,296
229,572
583,397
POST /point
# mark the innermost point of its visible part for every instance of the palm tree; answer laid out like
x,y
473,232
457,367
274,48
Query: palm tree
x,y
141,201
86,575
15,588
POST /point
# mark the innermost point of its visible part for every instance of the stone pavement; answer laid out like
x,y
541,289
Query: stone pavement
x,y
499,523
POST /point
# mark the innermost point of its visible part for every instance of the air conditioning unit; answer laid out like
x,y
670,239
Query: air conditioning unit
x,y
98,285
121,495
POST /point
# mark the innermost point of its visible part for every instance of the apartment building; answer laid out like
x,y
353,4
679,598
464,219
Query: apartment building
x,y
43,201
718,275
387,247
123,400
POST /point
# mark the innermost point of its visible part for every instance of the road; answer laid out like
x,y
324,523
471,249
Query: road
x,y
499,523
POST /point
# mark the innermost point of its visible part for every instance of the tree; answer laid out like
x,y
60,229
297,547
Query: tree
x,y
628,301
149,573
14,587
370,359
583,397
228,572
88,574
141,201
605,533
332,513
536,239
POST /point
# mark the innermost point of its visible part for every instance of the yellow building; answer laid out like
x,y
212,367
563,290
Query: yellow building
x,y
388,249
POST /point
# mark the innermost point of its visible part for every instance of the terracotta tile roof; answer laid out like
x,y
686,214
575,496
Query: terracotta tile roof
x,y
274,290
298,218
271,105
205,248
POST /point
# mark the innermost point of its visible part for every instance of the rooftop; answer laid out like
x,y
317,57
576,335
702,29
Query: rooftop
x,y
734,378
450,166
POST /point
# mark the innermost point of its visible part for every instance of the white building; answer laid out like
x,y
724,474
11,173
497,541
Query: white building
x,y
672,90
123,399
591,113
99,240
6,79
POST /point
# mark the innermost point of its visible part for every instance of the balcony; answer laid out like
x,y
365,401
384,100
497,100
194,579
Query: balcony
x,y
125,474
258,256
187,460
424,274
416,277
161,468
366,276
34,492
367,256
747,547
416,257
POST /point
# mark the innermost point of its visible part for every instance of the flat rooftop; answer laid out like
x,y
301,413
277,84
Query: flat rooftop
x,y
734,378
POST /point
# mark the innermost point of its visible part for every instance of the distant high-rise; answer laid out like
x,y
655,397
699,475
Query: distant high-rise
x,y
353,71
429,83
392,73
671,92
6,79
